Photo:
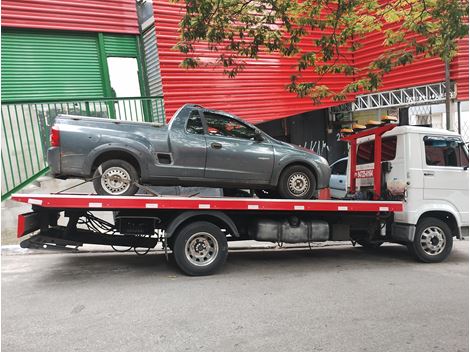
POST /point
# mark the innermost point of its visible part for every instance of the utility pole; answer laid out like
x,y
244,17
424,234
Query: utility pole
x,y
449,118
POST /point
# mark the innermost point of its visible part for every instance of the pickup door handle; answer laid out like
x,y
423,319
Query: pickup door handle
x,y
428,173
216,145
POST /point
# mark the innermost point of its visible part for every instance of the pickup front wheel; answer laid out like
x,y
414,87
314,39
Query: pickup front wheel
x,y
297,182
118,178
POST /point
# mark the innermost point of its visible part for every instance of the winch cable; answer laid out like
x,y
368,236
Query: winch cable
x,y
142,187
78,184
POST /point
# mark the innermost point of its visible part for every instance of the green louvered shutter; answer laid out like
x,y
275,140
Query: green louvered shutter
x,y
120,45
40,65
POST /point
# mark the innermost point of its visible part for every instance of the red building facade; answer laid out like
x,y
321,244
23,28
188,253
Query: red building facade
x,y
259,92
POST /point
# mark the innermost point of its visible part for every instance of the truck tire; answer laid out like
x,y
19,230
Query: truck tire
x,y
432,241
118,178
297,182
200,248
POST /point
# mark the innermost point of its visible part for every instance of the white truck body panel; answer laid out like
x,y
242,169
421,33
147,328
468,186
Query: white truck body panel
x,y
428,187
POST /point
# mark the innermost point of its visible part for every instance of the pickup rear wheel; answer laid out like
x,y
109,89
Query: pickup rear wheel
x,y
200,248
297,182
432,241
118,178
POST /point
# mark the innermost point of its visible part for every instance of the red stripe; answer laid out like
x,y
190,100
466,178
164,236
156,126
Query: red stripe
x,y
20,230
137,202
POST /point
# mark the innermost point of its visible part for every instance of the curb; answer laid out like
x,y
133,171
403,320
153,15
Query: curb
x,y
234,246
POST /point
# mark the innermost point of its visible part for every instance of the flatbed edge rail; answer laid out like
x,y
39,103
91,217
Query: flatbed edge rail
x,y
79,201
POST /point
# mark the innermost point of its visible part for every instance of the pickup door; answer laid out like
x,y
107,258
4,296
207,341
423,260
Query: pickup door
x,y
233,153
187,143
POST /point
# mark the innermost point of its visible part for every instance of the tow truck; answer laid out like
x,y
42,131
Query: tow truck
x,y
406,185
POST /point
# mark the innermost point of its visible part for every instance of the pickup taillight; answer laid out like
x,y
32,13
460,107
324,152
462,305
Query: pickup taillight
x,y
55,136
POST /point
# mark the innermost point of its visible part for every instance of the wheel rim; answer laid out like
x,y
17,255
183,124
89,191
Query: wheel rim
x,y
201,249
433,240
299,184
116,180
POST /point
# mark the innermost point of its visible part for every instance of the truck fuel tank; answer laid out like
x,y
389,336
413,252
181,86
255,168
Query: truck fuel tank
x,y
289,230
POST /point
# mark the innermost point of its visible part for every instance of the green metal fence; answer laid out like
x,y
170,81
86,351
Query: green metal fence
x,y
26,125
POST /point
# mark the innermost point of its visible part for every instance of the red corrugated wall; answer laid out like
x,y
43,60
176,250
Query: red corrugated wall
x,y
115,16
421,71
459,70
258,93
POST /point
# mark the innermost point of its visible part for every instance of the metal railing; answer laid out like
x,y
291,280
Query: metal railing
x,y
26,125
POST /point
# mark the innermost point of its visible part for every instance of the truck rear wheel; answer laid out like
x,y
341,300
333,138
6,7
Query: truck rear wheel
x,y
200,248
432,241
118,178
297,182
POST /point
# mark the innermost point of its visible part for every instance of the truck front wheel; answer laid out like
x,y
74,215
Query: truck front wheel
x,y
118,178
432,241
200,248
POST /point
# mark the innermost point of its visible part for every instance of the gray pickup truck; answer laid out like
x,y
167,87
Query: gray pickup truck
x,y
199,147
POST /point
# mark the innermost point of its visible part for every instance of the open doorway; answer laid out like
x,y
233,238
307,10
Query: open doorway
x,y
124,78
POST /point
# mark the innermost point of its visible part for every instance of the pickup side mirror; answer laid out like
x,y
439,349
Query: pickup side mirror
x,y
258,136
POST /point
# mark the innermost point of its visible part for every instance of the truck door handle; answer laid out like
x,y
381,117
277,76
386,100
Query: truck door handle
x,y
428,173
216,145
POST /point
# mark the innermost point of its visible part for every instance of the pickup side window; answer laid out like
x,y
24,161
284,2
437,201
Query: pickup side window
x,y
219,125
194,124
445,151
365,151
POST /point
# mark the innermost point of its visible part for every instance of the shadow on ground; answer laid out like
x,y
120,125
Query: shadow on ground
x,y
95,266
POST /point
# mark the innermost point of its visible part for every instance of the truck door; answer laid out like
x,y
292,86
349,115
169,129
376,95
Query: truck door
x,y
233,153
445,171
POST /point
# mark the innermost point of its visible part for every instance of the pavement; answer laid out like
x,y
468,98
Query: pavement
x,y
330,298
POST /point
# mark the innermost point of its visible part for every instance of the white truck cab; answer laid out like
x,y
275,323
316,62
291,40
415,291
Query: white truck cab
x,y
428,169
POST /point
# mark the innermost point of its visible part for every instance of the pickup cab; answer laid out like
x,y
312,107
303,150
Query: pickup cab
x,y
199,147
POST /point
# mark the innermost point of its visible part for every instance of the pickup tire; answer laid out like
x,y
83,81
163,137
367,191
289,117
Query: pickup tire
x,y
297,182
432,241
200,248
118,178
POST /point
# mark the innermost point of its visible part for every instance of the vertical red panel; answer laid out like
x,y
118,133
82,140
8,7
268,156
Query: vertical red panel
x,y
115,16
459,69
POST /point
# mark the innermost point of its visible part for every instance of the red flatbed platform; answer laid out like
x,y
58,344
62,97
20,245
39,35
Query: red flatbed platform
x,y
81,201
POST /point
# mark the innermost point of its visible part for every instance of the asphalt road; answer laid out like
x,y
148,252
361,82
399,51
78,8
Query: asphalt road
x,y
328,299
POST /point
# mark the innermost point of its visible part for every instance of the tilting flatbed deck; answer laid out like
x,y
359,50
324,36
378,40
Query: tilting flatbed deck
x,y
195,229
93,202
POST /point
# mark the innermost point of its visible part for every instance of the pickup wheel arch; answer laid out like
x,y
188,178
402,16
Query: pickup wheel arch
x,y
294,163
110,154
216,217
